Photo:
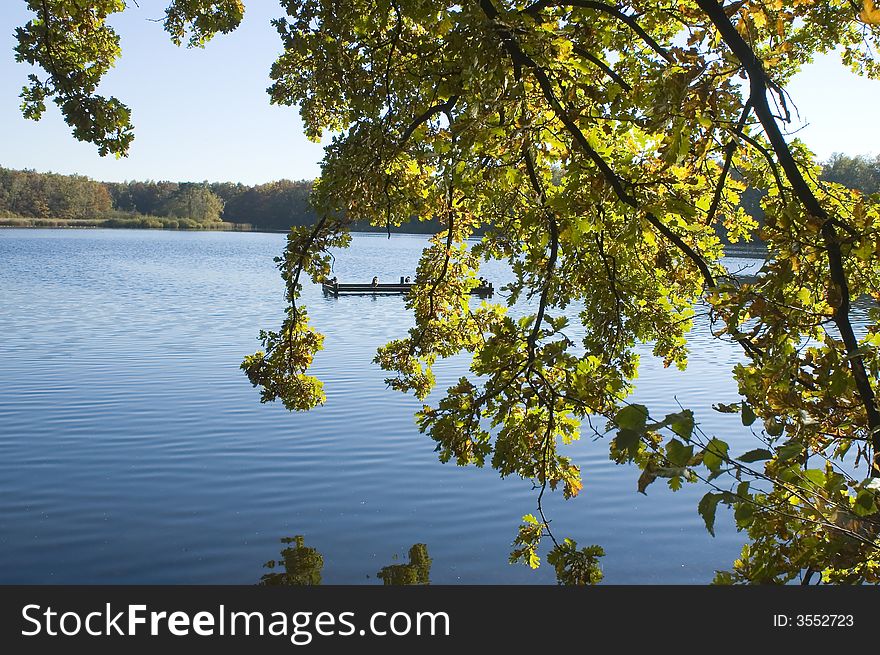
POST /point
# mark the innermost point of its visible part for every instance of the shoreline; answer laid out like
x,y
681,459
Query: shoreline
x,y
146,223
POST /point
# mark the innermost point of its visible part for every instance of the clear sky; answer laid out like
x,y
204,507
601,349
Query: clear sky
x,y
203,114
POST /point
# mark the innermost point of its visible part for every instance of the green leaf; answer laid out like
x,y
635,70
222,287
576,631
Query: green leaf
x,y
628,440
835,482
682,423
748,415
707,507
774,427
789,473
632,417
714,454
756,455
744,514
678,454
864,504
789,451
816,476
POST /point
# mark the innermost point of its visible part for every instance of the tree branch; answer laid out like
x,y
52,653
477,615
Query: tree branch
x,y
759,83
554,250
730,149
630,21
425,116
589,56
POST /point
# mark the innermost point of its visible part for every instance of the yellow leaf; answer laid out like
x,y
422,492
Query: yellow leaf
x,y
760,18
870,14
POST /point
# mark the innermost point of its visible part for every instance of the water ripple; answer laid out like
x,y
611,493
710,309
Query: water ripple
x,y
135,451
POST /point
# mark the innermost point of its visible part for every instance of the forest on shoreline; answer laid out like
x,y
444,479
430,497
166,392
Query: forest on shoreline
x,y
32,199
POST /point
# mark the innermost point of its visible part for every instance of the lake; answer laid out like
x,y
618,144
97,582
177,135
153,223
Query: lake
x,y
134,450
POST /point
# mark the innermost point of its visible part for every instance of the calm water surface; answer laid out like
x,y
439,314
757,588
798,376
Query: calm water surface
x,y
134,450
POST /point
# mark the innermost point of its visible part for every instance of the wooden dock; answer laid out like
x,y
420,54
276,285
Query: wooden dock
x,y
336,289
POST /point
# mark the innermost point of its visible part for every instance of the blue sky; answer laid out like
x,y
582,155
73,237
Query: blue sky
x,y
203,114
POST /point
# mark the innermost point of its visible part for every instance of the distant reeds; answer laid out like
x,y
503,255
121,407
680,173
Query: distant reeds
x,y
125,221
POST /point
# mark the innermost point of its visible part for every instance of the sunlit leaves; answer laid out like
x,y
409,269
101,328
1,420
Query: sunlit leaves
x,y
525,546
72,42
870,13
445,324
864,504
576,567
279,369
201,19
596,180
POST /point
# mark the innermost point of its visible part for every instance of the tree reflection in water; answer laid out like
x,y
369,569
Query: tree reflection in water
x,y
302,566
417,571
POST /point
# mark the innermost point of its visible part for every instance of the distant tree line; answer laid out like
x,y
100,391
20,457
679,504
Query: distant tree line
x,y
32,195
275,206
860,172
196,201
47,195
